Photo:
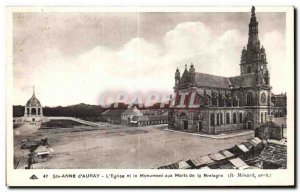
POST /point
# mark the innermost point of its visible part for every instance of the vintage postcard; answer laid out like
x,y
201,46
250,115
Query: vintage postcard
x,y
150,96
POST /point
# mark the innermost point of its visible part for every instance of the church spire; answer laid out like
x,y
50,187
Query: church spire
x,y
253,11
253,55
253,40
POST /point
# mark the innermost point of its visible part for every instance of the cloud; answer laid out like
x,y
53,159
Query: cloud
x,y
187,40
138,65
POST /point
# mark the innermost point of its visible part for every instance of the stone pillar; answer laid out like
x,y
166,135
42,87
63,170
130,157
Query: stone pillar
x,y
30,110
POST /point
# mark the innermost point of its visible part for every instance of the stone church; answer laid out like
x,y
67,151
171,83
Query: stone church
x,y
225,103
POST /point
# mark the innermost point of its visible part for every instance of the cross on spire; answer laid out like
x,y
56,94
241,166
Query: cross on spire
x,y
253,10
33,94
253,40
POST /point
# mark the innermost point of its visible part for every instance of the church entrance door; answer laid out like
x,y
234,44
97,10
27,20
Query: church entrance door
x,y
185,124
184,121
249,125
33,111
200,126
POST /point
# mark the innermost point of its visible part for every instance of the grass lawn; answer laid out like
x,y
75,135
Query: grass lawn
x,y
61,123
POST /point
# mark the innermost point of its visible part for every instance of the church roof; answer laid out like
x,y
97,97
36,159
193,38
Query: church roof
x,y
33,101
213,81
109,112
207,80
132,111
275,154
246,80
270,124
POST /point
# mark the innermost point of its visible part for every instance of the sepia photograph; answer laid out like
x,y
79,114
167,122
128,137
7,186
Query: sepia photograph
x,y
156,89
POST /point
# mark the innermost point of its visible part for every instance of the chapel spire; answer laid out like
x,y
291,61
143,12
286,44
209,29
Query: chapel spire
x,y
33,91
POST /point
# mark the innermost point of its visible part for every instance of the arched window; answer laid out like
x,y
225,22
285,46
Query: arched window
x,y
218,119
236,101
221,101
261,117
249,69
227,118
241,117
221,118
234,118
212,119
249,99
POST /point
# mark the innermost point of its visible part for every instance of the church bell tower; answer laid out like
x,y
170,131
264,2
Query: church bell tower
x,y
253,58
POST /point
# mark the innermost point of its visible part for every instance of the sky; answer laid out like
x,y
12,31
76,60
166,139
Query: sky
x,y
73,58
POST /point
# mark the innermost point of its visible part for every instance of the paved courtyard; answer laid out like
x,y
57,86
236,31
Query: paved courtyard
x,y
117,146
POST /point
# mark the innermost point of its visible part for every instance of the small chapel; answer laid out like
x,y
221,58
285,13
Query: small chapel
x,y
33,109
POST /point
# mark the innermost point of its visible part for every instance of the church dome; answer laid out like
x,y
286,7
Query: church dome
x,y
33,101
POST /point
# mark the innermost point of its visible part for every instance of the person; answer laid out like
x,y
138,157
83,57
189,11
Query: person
x,y
44,141
31,158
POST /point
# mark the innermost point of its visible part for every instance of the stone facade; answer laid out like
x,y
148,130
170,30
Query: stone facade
x,y
112,116
138,121
280,104
214,104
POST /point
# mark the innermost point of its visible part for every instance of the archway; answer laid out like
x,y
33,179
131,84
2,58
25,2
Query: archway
x,y
33,111
234,118
184,120
200,126
249,120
